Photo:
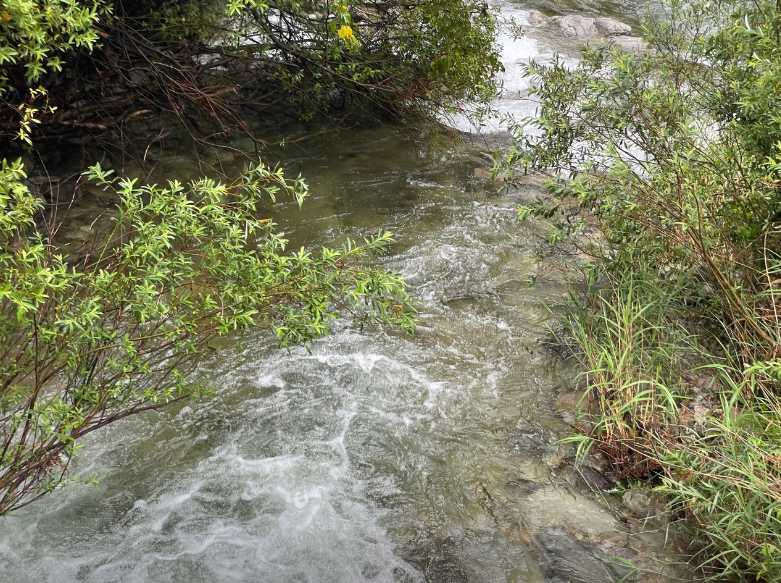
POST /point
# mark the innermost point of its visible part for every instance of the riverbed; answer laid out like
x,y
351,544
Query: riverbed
x,y
370,455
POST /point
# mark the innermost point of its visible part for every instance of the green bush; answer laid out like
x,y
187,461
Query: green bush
x,y
394,57
676,151
92,339
191,58
35,37
36,34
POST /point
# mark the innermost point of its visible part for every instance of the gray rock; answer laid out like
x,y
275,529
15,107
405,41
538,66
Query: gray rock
x,y
535,18
642,502
575,26
565,559
585,478
612,27
595,479
587,28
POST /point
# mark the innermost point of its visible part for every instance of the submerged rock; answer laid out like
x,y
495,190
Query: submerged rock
x,y
535,18
523,487
566,559
629,43
439,560
580,515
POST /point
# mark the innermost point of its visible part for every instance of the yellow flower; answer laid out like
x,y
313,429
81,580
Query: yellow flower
x,y
345,33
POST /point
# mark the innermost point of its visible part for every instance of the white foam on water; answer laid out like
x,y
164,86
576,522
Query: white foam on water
x,y
272,380
513,102
519,44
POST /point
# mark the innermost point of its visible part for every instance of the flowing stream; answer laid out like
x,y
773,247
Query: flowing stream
x,y
371,455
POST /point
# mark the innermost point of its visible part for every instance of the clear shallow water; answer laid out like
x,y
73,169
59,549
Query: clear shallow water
x,y
369,456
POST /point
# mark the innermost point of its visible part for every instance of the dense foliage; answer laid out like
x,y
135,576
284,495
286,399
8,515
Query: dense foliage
x,y
677,153
36,35
207,59
390,55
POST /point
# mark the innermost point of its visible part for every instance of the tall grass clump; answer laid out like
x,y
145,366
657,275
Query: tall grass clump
x,y
675,152
629,358
727,476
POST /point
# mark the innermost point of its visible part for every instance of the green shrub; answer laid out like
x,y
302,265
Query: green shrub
x,y
35,37
92,339
676,151
194,57
394,57
36,34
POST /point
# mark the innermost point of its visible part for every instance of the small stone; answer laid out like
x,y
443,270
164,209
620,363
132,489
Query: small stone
x,y
594,479
641,502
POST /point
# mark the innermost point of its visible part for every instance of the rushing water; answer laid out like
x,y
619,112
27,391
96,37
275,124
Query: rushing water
x,y
370,456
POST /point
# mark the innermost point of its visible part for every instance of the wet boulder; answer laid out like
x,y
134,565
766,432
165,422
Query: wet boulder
x,y
565,559
586,28
580,27
612,27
